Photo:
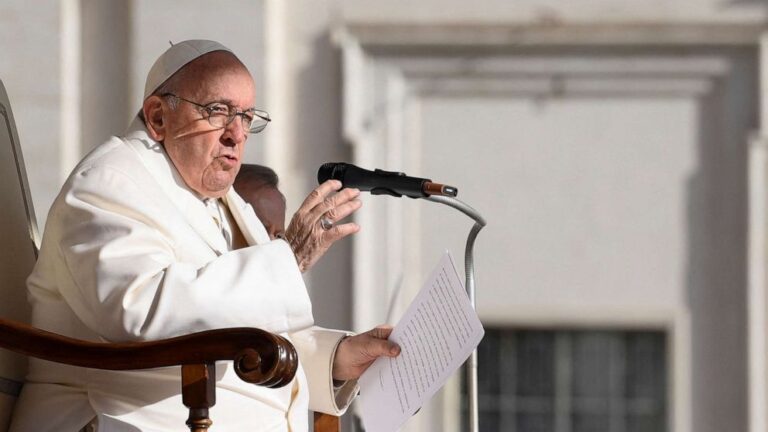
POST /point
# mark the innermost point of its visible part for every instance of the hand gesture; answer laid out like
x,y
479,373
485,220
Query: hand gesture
x,y
313,228
355,353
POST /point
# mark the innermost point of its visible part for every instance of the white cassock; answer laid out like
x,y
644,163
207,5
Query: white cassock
x,y
132,254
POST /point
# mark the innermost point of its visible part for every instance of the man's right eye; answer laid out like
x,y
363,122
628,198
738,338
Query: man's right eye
x,y
218,109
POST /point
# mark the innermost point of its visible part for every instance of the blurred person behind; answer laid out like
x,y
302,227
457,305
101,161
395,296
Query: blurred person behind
x,y
258,185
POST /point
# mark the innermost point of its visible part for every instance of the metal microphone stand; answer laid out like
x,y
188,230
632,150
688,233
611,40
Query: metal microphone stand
x,y
469,269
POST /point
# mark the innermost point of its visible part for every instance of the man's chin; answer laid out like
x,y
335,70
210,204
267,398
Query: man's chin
x,y
217,189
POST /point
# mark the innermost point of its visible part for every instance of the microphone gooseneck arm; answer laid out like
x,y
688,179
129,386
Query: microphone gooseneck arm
x,y
469,269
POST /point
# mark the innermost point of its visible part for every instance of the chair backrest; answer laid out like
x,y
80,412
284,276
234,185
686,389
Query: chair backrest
x,y
20,240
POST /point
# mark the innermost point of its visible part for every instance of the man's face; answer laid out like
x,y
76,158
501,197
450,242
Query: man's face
x,y
209,158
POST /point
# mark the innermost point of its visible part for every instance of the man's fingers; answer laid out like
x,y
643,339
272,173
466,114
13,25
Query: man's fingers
x,y
384,346
338,232
320,193
334,204
323,203
393,349
339,212
382,332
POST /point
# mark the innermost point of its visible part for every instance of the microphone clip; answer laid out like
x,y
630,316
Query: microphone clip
x,y
383,190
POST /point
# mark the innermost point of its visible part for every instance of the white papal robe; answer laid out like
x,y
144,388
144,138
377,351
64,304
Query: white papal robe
x,y
130,253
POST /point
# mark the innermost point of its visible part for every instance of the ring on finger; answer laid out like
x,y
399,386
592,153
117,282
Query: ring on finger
x,y
326,223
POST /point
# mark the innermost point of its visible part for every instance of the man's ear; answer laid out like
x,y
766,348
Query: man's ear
x,y
154,117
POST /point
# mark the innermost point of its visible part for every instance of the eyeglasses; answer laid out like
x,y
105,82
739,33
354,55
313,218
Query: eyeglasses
x,y
219,115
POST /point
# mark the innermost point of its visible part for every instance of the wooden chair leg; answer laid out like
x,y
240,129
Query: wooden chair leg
x,y
327,423
198,392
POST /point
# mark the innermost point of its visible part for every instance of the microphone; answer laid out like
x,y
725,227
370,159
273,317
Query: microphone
x,y
380,182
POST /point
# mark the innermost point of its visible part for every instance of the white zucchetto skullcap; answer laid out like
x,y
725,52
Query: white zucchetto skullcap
x,y
175,58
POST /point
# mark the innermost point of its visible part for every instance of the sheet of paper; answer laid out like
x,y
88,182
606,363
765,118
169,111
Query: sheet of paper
x,y
436,335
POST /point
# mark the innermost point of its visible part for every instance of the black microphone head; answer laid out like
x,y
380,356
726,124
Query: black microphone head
x,y
331,170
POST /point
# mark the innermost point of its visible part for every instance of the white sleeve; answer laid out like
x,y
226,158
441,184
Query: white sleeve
x,y
316,347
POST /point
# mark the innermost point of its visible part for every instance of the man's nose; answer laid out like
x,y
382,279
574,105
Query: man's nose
x,y
234,132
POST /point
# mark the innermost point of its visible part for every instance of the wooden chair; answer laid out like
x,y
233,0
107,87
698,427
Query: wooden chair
x,y
258,357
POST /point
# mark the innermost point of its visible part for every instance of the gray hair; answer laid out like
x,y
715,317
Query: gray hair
x,y
256,174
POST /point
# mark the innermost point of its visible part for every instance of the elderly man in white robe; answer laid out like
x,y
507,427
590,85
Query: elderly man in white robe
x,y
148,240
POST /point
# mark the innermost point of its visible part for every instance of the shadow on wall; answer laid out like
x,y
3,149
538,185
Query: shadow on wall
x,y
318,132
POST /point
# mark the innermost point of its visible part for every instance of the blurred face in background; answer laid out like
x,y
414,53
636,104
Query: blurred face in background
x,y
268,203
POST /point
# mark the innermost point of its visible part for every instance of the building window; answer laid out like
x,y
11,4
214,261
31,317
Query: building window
x,y
572,381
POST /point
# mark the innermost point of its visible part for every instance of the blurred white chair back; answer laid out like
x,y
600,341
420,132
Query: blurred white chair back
x,y
20,242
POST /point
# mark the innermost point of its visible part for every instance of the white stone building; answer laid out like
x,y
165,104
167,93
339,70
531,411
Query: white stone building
x,y
616,149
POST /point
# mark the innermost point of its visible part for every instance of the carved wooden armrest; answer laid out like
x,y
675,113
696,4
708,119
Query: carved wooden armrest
x,y
259,357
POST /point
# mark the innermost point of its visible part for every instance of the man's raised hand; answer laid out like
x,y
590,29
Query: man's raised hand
x,y
313,228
